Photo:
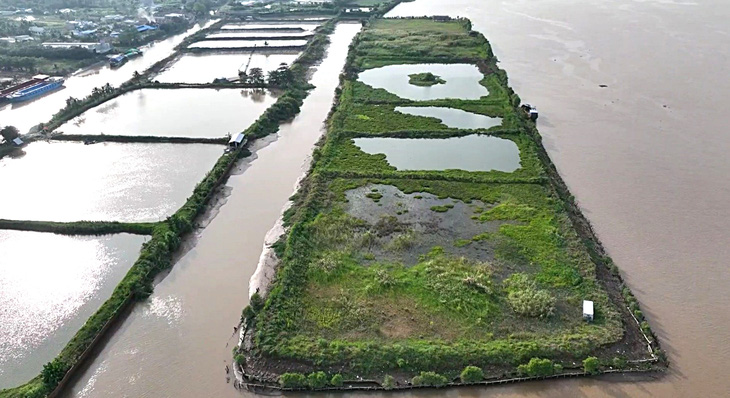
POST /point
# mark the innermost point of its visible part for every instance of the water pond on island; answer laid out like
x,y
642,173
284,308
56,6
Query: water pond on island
x,y
471,153
248,43
49,285
455,118
199,68
461,81
174,113
70,181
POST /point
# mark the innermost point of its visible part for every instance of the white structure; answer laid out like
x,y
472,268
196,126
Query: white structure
x,y
588,310
18,142
37,30
237,141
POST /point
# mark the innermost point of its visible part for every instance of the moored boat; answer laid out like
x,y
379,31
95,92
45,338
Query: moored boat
x,y
36,90
5,93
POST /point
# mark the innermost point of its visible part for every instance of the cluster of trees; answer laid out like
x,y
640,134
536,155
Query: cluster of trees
x,y
281,77
9,133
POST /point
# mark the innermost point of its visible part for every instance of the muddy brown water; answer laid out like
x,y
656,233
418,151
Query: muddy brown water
x,y
177,343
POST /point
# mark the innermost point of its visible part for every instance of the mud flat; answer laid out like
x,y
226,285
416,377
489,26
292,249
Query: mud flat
x,y
395,278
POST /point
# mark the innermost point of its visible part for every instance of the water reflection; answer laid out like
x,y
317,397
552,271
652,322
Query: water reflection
x,y
62,181
451,117
471,153
173,113
462,81
247,43
49,286
197,68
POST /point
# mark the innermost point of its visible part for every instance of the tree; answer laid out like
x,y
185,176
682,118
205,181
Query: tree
x,y
9,133
281,76
292,380
591,365
256,76
472,374
53,372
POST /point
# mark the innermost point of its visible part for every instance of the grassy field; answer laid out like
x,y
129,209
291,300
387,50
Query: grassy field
x,y
387,273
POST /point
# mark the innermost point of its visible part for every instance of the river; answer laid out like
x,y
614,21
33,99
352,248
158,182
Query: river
x,y
645,157
177,342
28,114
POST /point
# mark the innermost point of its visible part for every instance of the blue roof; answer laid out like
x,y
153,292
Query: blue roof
x,y
144,28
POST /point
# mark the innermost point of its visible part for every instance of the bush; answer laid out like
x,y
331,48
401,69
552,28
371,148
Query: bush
x,y
53,372
532,302
292,380
317,380
240,359
432,379
591,365
337,380
619,363
388,382
472,374
537,367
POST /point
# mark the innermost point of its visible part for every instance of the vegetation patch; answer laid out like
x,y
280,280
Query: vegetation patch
x,y
426,79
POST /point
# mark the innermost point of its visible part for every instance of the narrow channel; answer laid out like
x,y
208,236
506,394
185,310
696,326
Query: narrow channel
x,y
178,342
79,85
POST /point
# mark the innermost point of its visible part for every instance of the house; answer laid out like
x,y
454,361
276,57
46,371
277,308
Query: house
x,y
37,30
145,28
112,18
237,141
18,142
174,17
22,38
441,18
588,310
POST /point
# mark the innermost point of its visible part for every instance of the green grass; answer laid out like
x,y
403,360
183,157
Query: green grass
x,y
349,296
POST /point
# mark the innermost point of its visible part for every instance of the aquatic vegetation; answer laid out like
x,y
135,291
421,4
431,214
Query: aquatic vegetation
x,y
426,79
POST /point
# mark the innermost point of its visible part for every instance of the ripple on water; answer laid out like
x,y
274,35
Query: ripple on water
x,y
49,286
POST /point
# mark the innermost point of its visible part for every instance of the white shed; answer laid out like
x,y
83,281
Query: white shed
x,y
237,141
588,310
18,142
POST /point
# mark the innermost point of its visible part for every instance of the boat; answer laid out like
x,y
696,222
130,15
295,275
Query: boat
x,y
36,90
12,89
117,60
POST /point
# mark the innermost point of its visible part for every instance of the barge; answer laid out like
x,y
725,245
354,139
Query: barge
x,y
40,85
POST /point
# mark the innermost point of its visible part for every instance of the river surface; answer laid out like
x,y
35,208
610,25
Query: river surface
x,y
186,112
204,68
471,153
70,181
177,343
49,286
79,85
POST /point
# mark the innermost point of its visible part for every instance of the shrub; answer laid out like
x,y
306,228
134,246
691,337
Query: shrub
x,y
317,380
532,302
429,379
337,380
557,368
53,372
537,367
388,382
591,365
292,380
471,374
240,359
256,302
619,363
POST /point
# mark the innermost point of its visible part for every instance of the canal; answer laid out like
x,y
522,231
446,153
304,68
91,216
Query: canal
x,y
178,342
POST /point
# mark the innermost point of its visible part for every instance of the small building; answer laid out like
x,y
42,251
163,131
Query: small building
x,y
23,38
441,18
113,18
18,142
145,28
588,310
38,30
237,141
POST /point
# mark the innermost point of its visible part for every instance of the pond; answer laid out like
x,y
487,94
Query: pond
x,y
455,118
248,43
259,34
471,153
204,68
70,181
189,112
462,81
49,285
270,26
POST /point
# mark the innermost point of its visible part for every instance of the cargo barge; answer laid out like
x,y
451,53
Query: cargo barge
x,y
38,86
118,60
